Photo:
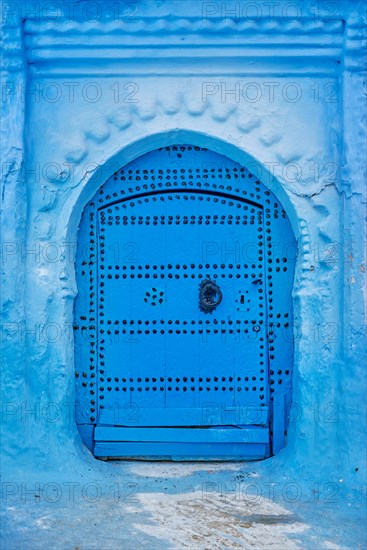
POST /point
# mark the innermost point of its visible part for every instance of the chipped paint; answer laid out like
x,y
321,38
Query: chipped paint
x,y
55,156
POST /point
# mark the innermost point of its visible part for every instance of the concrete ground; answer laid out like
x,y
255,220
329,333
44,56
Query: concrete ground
x,y
159,505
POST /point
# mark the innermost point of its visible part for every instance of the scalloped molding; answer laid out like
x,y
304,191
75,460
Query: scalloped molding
x,y
167,40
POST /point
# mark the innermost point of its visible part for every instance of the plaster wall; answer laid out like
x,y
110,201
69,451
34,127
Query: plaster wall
x,y
82,98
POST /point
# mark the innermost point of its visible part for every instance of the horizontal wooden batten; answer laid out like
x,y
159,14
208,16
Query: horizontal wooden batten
x,y
224,443
202,416
181,451
183,435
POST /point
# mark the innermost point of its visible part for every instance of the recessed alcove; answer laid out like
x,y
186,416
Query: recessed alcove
x,y
205,232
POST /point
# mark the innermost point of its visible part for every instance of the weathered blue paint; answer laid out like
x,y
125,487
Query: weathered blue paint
x,y
58,148
148,352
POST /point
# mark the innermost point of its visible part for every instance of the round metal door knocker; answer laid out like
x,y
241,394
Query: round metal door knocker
x,y
210,296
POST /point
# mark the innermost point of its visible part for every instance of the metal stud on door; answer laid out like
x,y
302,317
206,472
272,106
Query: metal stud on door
x,y
179,270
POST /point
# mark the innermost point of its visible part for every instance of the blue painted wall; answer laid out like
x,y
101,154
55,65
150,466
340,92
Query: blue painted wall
x,y
42,210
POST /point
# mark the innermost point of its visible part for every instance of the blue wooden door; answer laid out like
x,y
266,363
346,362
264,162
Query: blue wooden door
x,y
172,261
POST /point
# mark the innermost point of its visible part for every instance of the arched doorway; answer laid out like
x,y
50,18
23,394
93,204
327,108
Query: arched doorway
x,y
183,319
